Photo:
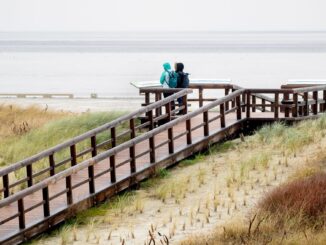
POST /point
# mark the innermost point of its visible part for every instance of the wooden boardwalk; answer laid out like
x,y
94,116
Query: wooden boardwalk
x,y
62,194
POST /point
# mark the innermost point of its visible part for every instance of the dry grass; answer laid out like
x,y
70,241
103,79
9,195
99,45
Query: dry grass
x,y
293,213
15,120
306,196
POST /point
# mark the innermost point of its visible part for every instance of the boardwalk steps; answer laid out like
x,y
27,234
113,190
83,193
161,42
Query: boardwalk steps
x,y
63,192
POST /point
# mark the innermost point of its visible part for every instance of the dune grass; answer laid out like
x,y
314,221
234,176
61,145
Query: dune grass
x,y
15,120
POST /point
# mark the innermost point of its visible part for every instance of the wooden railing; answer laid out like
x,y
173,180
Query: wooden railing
x,y
242,108
45,164
199,93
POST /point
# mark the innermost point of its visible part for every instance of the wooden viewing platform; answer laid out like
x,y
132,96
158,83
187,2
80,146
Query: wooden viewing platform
x,y
46,189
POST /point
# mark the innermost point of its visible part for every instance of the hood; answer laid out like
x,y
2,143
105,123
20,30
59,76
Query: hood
x,y
167,66
179,67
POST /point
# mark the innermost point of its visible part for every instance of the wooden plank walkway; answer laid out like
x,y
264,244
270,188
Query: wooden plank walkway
x,y
61,196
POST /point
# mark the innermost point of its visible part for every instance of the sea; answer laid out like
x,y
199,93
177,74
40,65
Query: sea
x,y
106,63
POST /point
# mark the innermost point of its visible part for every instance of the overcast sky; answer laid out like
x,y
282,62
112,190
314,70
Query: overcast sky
x,y
167,15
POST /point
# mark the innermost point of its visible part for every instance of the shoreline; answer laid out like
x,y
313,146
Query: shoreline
x,y
79,105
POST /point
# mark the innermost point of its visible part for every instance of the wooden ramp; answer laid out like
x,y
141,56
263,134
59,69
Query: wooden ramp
x,y
44,197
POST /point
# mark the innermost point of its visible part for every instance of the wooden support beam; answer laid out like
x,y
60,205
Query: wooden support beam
x,y
248,104
113,137
295,105
151,139
21,214
222,113
306,105
5,183
206,123
188,128
315,105
69,190
46,202
93,145
286,109
185,104
263,107
276,105
226,92
52,165
253,103
29,174
238,105
132,153
171,140
200,97
73,155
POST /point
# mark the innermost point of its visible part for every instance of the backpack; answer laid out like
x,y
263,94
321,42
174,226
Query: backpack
x,y
183,80
173,79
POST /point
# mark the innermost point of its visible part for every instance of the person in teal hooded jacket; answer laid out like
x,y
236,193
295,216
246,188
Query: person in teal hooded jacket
x,y
165,80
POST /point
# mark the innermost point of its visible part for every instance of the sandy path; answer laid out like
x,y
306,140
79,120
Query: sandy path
x,y
204,196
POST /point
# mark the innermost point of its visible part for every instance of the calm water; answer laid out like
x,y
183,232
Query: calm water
x,y
108,67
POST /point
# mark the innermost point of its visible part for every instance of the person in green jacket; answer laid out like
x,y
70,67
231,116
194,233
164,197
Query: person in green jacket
x,y
168,80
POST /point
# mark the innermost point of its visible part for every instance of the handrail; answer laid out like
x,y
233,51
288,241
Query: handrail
x,y
309,89
91,133
110,152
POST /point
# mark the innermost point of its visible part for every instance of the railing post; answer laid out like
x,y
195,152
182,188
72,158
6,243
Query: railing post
x,y
171,140
222,113
206,126
21,211
185,104
113,137
29,174
73,155
151,139
315,105
112,158
263,107
253,103
188,128
69,190
5,183
200,94
238,105
52,165
168,111
276,105
112,172
226,92
295,105
248,104
93,145
243,102
132,148
46,201
91,167
286,109
324,103
147,99
157,98
306,106
233,103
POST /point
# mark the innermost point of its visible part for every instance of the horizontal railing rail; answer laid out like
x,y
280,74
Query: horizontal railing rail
x,y
70,145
